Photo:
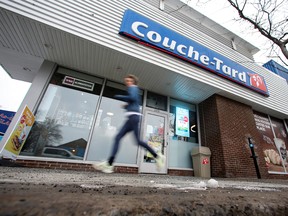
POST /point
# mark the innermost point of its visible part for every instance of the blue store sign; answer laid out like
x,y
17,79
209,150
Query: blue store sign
x,y
152,34
5,120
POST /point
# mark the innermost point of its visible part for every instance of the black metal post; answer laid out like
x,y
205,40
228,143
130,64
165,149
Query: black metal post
x,y
254,156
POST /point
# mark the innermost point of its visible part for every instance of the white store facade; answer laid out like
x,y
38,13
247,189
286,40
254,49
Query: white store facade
x,y
76,53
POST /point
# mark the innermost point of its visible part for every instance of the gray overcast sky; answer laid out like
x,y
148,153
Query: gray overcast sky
x,y
12,91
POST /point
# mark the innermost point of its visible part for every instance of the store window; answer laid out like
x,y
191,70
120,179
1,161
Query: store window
x,y
274,142
156,101
64,117
110,118
182,133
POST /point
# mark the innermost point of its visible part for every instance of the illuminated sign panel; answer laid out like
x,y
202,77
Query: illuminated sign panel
x,y
182,122
152,34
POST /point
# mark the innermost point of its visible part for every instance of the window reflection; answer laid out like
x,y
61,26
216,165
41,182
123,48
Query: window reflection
x,y
63,122
156,101
110,118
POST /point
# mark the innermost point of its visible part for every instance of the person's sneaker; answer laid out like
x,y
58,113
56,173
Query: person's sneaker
x,y
103,167
160,161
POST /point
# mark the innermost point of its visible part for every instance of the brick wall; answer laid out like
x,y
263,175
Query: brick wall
x,y
131,170
225,127
88,167
70,166
210,135
54,165
174,172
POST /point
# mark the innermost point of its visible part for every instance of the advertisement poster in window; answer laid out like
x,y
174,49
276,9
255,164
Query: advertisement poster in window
x,y
182,122
280,140
19,134
274,142
5,120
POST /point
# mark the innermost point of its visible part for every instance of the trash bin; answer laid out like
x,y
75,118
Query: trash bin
x,y
201,161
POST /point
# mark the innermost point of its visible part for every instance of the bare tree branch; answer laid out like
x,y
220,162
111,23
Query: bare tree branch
x,y
264,20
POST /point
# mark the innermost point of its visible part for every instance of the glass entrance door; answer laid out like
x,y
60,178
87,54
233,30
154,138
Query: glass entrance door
x,y
155,132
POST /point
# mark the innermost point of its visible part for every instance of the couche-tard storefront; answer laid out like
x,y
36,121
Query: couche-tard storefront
x,y
198,88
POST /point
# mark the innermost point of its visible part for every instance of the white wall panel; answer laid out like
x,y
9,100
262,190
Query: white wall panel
x,y
99,22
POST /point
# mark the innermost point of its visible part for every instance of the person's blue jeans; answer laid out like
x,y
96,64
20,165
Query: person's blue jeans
x,y
132,124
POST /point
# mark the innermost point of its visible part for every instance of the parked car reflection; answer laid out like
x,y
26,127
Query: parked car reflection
x,y
59,153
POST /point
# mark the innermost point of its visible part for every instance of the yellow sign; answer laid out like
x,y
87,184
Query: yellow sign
x,y
19,135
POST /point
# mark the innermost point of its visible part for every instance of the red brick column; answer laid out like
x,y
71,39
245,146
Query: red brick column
x,y
225,126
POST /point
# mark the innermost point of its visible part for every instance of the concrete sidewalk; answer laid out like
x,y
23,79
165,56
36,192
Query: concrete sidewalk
x,y
97,179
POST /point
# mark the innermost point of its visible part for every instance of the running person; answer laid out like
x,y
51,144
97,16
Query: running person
x,y
132,124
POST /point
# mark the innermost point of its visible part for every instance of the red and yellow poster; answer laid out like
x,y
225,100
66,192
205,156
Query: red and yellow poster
x,y
18,136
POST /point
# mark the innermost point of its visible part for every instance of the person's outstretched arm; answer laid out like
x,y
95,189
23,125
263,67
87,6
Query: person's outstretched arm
x,y
131,97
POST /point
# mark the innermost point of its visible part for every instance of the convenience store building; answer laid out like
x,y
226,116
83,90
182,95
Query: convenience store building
x,y
199,87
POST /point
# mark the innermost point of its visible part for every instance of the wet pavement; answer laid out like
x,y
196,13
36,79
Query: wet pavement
x,y
91,179
30,191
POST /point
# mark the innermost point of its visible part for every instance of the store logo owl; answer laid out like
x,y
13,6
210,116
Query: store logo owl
x,y
257,81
